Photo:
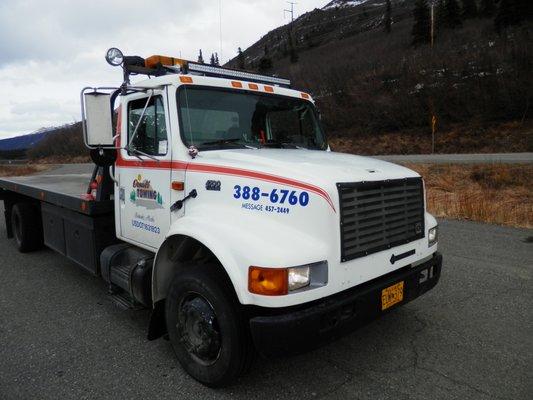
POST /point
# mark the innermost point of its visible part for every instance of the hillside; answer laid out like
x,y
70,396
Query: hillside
x,y
370,85
377,93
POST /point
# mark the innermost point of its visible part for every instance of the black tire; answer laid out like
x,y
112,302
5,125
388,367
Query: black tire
x,y
27,227
206,327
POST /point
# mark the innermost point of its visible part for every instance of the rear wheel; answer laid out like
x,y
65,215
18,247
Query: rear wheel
x,y
27,227
207,331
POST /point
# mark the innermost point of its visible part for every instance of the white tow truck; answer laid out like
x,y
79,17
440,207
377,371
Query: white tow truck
x,y
217,203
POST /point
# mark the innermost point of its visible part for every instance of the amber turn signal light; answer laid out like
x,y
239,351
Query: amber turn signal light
x,y
268,281
177,185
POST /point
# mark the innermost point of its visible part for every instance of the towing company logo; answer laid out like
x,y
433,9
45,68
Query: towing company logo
x,y
144,195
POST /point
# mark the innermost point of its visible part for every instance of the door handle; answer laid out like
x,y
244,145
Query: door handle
x,y
178,205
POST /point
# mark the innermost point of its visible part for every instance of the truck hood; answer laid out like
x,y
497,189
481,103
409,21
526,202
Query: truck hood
x,y
311,166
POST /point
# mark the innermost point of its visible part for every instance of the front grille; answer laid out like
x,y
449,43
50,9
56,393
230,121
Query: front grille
x,y
379,215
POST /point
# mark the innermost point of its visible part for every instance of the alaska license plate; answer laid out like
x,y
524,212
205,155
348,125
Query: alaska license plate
x,y
391,295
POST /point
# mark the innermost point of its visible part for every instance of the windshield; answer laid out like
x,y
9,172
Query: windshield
x,y
220,118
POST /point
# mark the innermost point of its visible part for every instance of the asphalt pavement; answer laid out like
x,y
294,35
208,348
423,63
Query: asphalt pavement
x,y
62,337
502,158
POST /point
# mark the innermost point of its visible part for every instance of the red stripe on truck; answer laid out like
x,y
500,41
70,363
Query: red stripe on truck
x,y
207,168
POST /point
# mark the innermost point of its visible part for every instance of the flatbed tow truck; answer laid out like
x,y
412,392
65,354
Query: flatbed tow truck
x,y
217,203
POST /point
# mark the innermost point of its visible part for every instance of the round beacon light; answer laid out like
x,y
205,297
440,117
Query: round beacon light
x,y
114,57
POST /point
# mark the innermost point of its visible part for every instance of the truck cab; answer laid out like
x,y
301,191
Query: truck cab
x,y
237,224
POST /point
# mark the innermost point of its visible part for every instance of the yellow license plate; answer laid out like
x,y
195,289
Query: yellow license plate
x,y
391,295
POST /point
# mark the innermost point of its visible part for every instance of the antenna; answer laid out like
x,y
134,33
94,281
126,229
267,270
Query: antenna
x,y
292,3
220,26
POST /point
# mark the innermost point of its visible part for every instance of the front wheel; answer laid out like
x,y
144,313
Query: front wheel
x,y
206,328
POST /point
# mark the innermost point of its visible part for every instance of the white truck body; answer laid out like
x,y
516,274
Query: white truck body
x,y
241,237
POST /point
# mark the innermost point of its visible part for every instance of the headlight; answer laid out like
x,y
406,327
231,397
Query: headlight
x,y
298,277
433,236
282,281
114,57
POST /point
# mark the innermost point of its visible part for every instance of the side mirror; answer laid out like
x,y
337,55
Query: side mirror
x,y
97,119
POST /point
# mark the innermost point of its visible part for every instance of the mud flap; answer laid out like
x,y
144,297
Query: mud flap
x,y
9,226
157,326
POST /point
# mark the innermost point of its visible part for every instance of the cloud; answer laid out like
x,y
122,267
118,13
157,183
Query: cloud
x,y
50,49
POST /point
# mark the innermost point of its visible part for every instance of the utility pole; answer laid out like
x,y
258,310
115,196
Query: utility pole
x,y
292,3
433,116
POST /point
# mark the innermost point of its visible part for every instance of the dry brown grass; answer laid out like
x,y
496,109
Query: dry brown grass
x,y
492,193
64,160
508,137
18,170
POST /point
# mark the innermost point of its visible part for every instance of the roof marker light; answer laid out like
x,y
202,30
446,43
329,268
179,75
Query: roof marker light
x,y
236,84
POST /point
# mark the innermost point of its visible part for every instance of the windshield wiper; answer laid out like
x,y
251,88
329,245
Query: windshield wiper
x,y
221,141
283,145
137,153
231,141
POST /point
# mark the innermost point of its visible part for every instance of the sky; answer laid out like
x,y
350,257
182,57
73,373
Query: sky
x,y
51,49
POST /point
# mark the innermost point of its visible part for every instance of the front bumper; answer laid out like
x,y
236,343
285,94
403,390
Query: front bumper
x,y
302,328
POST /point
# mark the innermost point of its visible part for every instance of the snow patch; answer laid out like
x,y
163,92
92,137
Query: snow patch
x,y
343,3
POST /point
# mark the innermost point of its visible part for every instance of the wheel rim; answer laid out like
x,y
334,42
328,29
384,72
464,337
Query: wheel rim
x,y
198,328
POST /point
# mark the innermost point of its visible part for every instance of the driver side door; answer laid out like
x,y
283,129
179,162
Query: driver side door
x,y
144,173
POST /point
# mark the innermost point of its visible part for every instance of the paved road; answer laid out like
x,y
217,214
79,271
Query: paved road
x,y
506,158
61,337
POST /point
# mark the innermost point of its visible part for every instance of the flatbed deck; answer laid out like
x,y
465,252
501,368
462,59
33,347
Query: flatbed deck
x,y
62,186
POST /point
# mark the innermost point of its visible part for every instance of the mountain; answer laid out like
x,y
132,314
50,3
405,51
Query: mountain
x,y
337,20
24,142
370,84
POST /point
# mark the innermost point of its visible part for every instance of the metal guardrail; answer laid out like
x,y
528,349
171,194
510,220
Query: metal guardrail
x,y
13,162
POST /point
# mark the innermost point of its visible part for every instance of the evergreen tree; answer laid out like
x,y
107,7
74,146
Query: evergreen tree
x,y
487,8
453,14
265,63
440,14
217,63
200,57
448,14
292,49
240,59
388,17
421,32
469,9
512,12
212,60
